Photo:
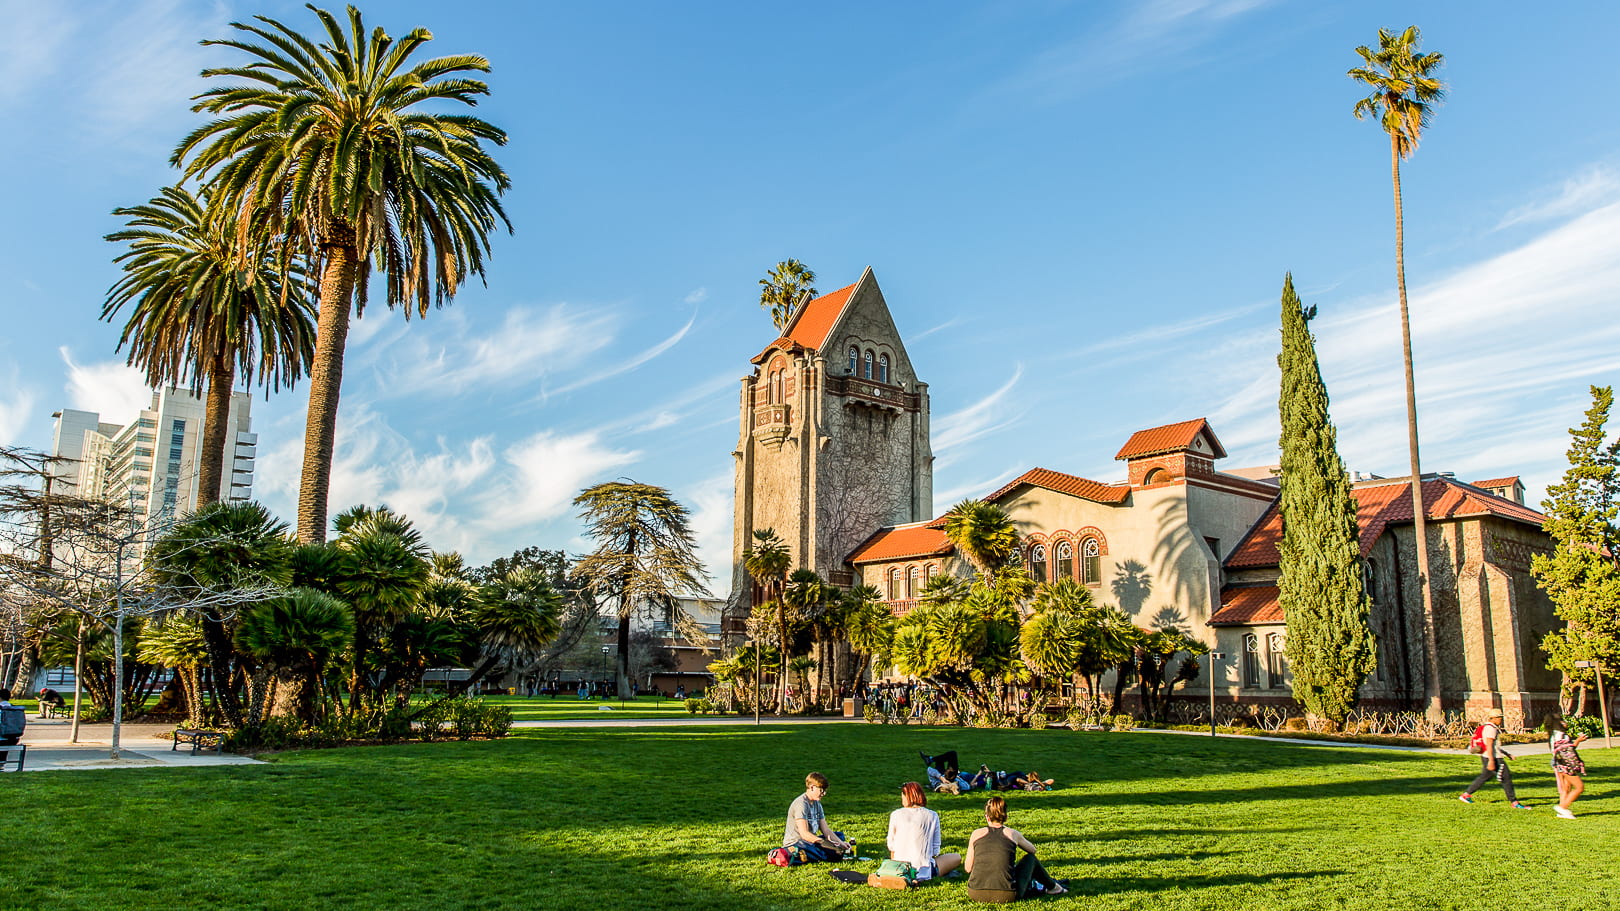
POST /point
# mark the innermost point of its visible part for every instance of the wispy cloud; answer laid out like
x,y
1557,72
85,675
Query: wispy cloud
x,y
696,296
950,496
981,418
629,364
529,345
16,405
544,472
112,389
1585,191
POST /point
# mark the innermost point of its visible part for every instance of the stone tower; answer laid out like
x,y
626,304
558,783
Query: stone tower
x,y
834,436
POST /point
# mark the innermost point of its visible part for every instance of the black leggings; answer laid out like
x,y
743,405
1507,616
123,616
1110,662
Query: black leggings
x,y
1500,773
1028,872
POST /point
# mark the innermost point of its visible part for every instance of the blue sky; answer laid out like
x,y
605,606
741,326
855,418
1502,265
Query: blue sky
x,y
1080,213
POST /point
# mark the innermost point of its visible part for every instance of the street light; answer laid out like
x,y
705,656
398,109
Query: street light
x,y
1603,705
604,667
1213,657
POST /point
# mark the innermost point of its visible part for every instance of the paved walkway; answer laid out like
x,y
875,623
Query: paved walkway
x,y
50,749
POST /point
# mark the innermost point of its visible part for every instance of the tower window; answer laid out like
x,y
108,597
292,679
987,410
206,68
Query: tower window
x,y
854,359
868,371
1065,560
1037,563
883,368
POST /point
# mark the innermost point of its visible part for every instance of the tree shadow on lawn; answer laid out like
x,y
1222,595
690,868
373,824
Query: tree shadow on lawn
x,y
1116,885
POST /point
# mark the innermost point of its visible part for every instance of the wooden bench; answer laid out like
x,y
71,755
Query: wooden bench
x,y
56,711
13,754
207,740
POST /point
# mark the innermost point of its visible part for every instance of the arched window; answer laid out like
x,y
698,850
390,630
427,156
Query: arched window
x,y
883,368
913,579
1251,661
868,373
1037,563
1065,560
1090,562
1369,575
894,584
1276,662
854,359
929,572
1156,476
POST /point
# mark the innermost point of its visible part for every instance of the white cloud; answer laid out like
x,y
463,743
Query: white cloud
x,y
979,419
696,296
16,406
544,473
630,364
112,389
1596,185
710,505
945,499
529,346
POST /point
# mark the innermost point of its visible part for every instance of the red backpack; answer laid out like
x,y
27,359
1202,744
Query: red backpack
x,y
1477,744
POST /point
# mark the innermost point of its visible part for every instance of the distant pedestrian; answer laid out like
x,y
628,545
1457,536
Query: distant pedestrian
x,y
50,701
1566,764
1494,761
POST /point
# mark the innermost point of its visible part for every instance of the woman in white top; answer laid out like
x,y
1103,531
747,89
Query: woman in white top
x,y
914,835
1567,765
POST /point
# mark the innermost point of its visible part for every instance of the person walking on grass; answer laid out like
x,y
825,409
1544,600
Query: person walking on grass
x,y
807,833
1494,760
1566,764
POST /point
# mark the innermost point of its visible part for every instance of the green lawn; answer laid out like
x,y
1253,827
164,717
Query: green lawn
x,y
626,818
562,708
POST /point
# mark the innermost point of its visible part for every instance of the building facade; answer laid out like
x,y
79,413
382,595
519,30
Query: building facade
x,y
834,456
153,458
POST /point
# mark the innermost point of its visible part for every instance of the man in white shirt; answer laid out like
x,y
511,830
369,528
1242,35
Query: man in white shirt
x,y
1495,762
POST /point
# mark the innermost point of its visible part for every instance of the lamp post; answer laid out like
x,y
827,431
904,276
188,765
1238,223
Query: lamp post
x,y
1603,705
1213,657
605,651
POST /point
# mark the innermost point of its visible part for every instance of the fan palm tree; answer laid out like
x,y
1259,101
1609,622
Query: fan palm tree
x,y
382,574
869,626
295,636
517,614
767,563
645,557
177,641
326,138
983,534
1404,93
782,288
806,595
203,312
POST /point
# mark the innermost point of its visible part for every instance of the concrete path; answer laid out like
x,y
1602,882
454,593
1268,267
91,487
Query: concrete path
x,y
50,750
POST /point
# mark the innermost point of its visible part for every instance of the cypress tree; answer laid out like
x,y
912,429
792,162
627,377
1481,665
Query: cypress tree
x,y
1330,646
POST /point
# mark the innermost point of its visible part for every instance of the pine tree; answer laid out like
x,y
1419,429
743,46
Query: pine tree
x,y
1582,574
1320,590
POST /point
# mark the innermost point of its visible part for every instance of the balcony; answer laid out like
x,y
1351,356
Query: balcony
x,y
883,396
771,424
902,607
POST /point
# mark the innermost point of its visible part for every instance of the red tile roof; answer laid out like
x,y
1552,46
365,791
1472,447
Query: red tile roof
x,y
899,542
1508,481
1248,604
1169,438
811,323
1064,483
1381,504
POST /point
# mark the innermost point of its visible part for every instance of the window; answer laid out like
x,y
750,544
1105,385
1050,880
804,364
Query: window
x,y
1065,560
1369,574
868,373
775,391
913,577
1276,662
1251,661
1156,476
883,368
854,359
929,572
1037,563
1091,562
894,584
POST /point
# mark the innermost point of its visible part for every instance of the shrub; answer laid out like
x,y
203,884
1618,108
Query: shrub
x,y
693,706
870,713
1590,725
1122,723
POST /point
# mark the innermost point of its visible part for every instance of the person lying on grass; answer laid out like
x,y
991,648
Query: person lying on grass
x,y
914,835
807,832
993,877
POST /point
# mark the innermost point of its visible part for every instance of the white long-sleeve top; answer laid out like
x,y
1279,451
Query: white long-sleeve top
x,y
914,836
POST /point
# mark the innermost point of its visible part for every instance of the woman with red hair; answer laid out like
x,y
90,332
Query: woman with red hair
x,y
914,835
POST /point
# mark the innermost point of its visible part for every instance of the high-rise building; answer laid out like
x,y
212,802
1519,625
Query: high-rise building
x,y
153,459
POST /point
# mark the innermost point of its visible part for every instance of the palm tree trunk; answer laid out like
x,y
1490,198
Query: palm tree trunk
x,y
326,380
1431,647
216,421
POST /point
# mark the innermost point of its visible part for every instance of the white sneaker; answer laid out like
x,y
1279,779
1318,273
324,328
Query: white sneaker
x,y
1563,813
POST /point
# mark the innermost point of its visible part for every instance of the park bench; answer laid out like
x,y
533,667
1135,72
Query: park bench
x,y
207,740
14,754
57,711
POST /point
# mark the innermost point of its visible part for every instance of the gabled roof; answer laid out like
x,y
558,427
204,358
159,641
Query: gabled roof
x,y
1508,481
1380,504
899,542
810,323
1169,438
1241,606
1073,485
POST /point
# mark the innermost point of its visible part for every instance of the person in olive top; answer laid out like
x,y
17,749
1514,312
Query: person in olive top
x,y
992,874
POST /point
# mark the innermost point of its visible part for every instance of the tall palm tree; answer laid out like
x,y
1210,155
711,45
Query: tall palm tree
x,y
645,557
767,563
1403,94
783,287
983,534
326,138
202,311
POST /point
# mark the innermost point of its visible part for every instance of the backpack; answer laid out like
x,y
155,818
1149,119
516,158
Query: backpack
x,y
13,721
1477,743
784,857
